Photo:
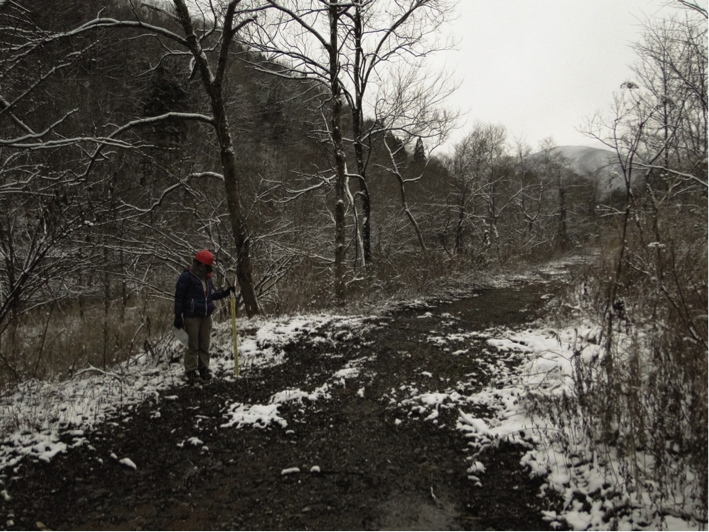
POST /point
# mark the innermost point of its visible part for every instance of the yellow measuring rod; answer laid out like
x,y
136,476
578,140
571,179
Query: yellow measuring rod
x,y
233,330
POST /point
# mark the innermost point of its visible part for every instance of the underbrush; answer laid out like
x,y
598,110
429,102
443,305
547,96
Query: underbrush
x,y
61,339
309,285
635,409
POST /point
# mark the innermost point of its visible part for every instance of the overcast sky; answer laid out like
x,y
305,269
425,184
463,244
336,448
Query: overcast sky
x,y
541,67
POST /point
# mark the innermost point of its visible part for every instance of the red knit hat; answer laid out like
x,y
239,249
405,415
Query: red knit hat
x,y
205,257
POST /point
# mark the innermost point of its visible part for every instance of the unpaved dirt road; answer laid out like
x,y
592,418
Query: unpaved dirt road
x,y
375,472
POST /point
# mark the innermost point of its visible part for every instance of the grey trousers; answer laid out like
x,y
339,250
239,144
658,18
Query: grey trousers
x,y
199,331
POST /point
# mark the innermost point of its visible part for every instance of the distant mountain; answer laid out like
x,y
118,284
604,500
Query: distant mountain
x,y
584,159
594,163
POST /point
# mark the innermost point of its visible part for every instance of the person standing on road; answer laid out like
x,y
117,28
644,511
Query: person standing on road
x,y
194,304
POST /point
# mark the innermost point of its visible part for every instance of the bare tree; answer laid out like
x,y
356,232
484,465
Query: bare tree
x,y
303,41
657,264
354,52
43,194
472,166
534,190
409,110
213,81
379,37
555,168
214,38
694,6
75,184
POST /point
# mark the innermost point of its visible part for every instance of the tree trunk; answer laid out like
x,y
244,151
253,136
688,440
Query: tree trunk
x,y
340,161
213,86
106,304
562,231
241,237
357,125
461,221
363,191
404,202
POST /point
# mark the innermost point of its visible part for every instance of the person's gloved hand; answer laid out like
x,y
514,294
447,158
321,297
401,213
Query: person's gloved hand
x,y
178,321
230,290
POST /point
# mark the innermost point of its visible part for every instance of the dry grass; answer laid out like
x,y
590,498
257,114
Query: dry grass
x,y
644,400
60,339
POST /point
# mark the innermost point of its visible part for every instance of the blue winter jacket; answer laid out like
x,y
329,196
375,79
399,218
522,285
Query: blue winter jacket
x,y
190,298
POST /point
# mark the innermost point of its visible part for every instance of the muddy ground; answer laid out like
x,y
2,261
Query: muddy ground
x,y
374,473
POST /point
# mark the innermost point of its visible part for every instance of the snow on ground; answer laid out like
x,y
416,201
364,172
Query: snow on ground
x,y
38,417
42,419
587,484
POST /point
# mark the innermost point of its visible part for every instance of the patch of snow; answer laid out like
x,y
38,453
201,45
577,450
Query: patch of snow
x,y
547,368
505,344
128,463
260,416
34,415
472,424
347,373
323,392
477,467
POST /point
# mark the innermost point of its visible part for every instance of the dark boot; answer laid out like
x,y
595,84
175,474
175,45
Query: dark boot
x,y
191,377
205,374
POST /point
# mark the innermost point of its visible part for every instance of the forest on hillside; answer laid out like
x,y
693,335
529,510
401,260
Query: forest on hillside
x,y
134,134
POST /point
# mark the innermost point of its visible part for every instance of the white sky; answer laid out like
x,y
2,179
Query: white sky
x,y
542,67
